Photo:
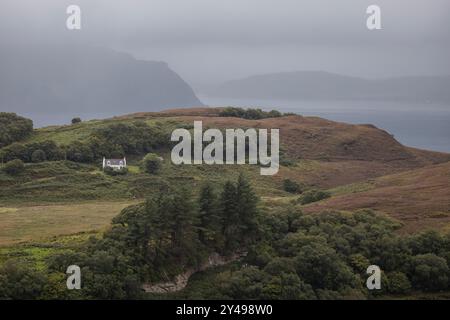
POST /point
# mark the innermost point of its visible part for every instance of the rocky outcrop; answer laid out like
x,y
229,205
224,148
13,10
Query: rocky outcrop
x,y
180,281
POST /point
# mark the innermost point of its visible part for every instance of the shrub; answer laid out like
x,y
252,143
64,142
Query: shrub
x,y
14,167
359,263
152,163
14,151
322,267
38,156
427,242
79,152
286,161
398,283
13,128
76,120
274,114
51,150
18,281
430,272
291,186
313,196
133,138
25,152
116,172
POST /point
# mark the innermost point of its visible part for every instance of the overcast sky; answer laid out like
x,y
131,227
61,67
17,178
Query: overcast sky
x,y
209,41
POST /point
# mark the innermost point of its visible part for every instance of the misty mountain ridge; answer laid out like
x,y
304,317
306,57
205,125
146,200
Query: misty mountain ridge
x,y
64,79
320,85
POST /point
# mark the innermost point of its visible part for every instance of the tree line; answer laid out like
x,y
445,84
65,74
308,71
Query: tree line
x,y
250,113
112,141
326,256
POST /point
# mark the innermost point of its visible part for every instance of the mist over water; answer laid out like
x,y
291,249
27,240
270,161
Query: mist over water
x,y
420,125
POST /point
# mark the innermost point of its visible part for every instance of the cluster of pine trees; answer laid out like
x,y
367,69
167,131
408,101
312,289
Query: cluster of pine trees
x,y
175,228
154,241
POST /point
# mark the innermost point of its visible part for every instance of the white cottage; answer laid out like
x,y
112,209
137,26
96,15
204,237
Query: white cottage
x,y
116,164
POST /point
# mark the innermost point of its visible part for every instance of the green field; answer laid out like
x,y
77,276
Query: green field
x,y
42,222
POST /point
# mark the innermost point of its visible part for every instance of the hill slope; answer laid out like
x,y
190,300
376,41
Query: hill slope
x,y
340,153
419,198
331,153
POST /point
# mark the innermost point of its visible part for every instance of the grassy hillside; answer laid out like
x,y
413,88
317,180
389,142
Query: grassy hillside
x,y
316,153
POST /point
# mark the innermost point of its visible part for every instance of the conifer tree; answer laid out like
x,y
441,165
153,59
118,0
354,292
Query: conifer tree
x,y
184,218
174,221
209,220
229,216
246,204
